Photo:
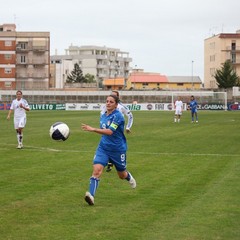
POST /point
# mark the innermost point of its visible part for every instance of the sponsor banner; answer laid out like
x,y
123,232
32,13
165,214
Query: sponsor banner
x,y
5,106
234,107
47,106
213,106
84,106
2,106
131,107
149,107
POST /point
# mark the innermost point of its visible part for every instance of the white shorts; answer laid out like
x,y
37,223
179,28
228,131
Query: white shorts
x,y
178,112
20,122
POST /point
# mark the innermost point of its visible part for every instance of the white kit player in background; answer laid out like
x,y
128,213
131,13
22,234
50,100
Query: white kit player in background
x,y
19,106
178,109
125,112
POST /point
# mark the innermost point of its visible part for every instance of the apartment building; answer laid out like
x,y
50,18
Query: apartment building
x,y
24,59
218,49
102,62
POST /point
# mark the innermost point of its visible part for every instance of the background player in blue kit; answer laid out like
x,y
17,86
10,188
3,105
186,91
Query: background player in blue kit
x,y
193,107
112,147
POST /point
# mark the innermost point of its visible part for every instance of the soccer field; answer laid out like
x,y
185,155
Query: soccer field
x,y
188,181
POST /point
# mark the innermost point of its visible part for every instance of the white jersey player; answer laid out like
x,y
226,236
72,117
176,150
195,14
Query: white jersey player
x,y
19,106
125,112
178,109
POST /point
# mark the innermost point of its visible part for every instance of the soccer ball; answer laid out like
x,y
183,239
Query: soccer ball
x,y
59,131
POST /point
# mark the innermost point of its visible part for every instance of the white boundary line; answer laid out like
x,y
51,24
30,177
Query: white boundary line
x,y
31,148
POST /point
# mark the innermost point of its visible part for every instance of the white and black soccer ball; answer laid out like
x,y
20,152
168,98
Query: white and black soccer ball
x,y
59,131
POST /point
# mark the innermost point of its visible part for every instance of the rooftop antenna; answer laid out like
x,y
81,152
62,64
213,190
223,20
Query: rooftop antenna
x,y
15,20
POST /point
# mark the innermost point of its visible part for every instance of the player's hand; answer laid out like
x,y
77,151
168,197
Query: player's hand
x,y
128,130
86,127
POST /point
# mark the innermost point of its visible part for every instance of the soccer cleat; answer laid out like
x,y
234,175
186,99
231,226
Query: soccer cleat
x,y
197,121
132,182
89,198
109,167
20,146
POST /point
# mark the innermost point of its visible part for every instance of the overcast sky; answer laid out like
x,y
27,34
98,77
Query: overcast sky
x,y
164,36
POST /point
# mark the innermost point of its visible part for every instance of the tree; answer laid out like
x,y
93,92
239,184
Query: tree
x,y
89,78
227,77
76,76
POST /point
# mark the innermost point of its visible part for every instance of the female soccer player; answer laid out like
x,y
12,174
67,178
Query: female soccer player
x,y
112,147
19,106
126,112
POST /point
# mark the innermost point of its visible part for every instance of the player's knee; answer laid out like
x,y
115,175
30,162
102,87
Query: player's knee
x,y
97,170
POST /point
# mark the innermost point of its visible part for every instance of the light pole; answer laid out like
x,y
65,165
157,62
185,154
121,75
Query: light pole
x,y
115,74
192,73
135,70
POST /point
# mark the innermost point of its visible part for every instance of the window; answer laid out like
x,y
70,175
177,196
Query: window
x,y
23,59
8,84
8,43
233,46
212,71
8,70
23,46
179,84
8,56
234,58
212,58
212,45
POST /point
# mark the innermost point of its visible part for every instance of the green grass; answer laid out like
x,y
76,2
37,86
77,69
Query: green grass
x,y
188,181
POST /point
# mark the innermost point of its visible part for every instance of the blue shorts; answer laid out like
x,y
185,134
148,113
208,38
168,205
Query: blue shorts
x,y
194,110
118,159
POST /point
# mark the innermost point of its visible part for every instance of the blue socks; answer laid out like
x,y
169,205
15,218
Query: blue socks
x,y
93,185
128,176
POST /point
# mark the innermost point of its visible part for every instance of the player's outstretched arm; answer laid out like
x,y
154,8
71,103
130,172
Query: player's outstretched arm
x,y
88,128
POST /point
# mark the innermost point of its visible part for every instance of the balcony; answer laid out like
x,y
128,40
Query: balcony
x,y
20,48
22,63
39,48
22,75
102,75
38,75
236,61
101,56
31,75
101,66
38,61
231,49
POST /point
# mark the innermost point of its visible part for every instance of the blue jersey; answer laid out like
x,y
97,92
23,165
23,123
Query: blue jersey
x,y
193,105
116,141
124,110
